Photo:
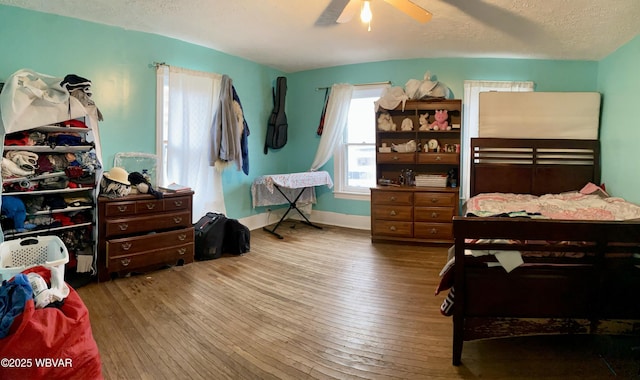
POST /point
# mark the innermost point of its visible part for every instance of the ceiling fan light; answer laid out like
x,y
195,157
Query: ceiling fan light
x,y
365,13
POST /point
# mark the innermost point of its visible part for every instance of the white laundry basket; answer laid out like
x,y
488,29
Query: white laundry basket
x,y
20,254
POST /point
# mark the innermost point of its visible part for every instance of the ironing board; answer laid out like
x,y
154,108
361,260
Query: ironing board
x,y
275,189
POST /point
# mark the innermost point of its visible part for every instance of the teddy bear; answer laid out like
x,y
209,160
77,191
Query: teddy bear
x,y
441,123
385,122
424,122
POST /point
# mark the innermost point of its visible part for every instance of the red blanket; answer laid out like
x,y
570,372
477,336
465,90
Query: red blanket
x,y
51,343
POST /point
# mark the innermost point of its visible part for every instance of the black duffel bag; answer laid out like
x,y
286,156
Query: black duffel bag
x,y
237,238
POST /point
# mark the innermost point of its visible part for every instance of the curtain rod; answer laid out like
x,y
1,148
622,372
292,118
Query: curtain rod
x,y
156,64
360,84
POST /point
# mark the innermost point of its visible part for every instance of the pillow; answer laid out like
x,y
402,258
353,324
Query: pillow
x,y
594,189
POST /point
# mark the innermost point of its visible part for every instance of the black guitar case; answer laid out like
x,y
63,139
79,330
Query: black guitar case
x,y
277,126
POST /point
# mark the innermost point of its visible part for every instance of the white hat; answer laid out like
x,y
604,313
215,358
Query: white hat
x,y
119,175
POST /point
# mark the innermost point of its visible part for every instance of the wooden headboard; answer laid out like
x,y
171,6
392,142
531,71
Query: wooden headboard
x,y
533,166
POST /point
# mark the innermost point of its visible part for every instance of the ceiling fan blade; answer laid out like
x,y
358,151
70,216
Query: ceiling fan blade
x,y
406,6
332,12
349,11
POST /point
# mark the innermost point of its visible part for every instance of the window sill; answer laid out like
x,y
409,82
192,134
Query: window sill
x,y
352,196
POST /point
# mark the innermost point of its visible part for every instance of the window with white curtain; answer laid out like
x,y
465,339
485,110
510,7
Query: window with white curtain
x,y
186,102
355,155
471,108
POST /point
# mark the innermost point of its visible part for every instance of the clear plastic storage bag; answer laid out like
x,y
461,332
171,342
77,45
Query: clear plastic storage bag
x,y
143,163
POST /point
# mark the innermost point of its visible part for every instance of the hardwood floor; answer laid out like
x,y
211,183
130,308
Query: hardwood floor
x,y
319,304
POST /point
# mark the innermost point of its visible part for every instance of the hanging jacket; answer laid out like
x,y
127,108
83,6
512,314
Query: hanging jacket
x,y
244,141
225,134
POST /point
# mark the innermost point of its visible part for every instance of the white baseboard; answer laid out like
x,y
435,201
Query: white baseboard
x,y
358,222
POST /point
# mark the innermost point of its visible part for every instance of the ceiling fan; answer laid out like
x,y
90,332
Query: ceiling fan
x,y
341,11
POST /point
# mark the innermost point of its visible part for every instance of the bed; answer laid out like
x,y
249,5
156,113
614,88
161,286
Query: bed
x,y
584,275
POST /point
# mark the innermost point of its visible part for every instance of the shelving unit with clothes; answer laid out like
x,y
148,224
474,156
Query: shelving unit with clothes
x,y
51,165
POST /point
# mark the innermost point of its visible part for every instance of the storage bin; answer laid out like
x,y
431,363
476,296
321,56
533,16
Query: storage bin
x,y
20,254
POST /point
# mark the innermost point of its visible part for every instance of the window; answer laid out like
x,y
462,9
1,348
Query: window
x,y
471,108
185,108
355,155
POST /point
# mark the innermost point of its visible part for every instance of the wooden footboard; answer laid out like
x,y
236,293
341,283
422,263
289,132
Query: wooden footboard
x,y
551,293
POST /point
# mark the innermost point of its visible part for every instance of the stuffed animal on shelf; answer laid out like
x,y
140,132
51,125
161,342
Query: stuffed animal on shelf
x,y
385,122
143,185
424,122
441,123
407,124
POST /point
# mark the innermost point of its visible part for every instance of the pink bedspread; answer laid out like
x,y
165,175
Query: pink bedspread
x,y
571,205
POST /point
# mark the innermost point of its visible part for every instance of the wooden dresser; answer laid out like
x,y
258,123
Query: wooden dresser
x,y
428,170
139,233
418,214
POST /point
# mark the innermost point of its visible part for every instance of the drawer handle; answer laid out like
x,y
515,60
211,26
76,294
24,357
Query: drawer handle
x,y
393,213
123,226
433,231
126,246
434,214
125,262
396,158
392,228
438,158
177,203
181,237
151,206
182,251
393,199
434,200
122,208
177,219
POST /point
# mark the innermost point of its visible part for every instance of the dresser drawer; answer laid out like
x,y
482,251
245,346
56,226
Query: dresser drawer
x,y
433,214
149,206
128,226
168,255
435,199
392,228
177,203
439,158
130,245
391,197
434,231
120,208
396,158
386,212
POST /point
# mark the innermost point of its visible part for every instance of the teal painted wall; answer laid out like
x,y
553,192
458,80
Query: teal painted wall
x,y
119,64
619,81
305,103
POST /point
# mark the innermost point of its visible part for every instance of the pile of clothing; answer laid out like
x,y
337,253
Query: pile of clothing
x,y
15,209
54,170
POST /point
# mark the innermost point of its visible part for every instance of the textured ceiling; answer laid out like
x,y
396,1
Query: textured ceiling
x,y
283,33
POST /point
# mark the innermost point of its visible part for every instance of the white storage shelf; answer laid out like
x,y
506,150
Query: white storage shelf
x,y
60,191
48,149
42,231
12,234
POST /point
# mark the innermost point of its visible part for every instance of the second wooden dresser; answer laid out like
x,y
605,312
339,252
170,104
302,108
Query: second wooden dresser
x,y
139,232
419,214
